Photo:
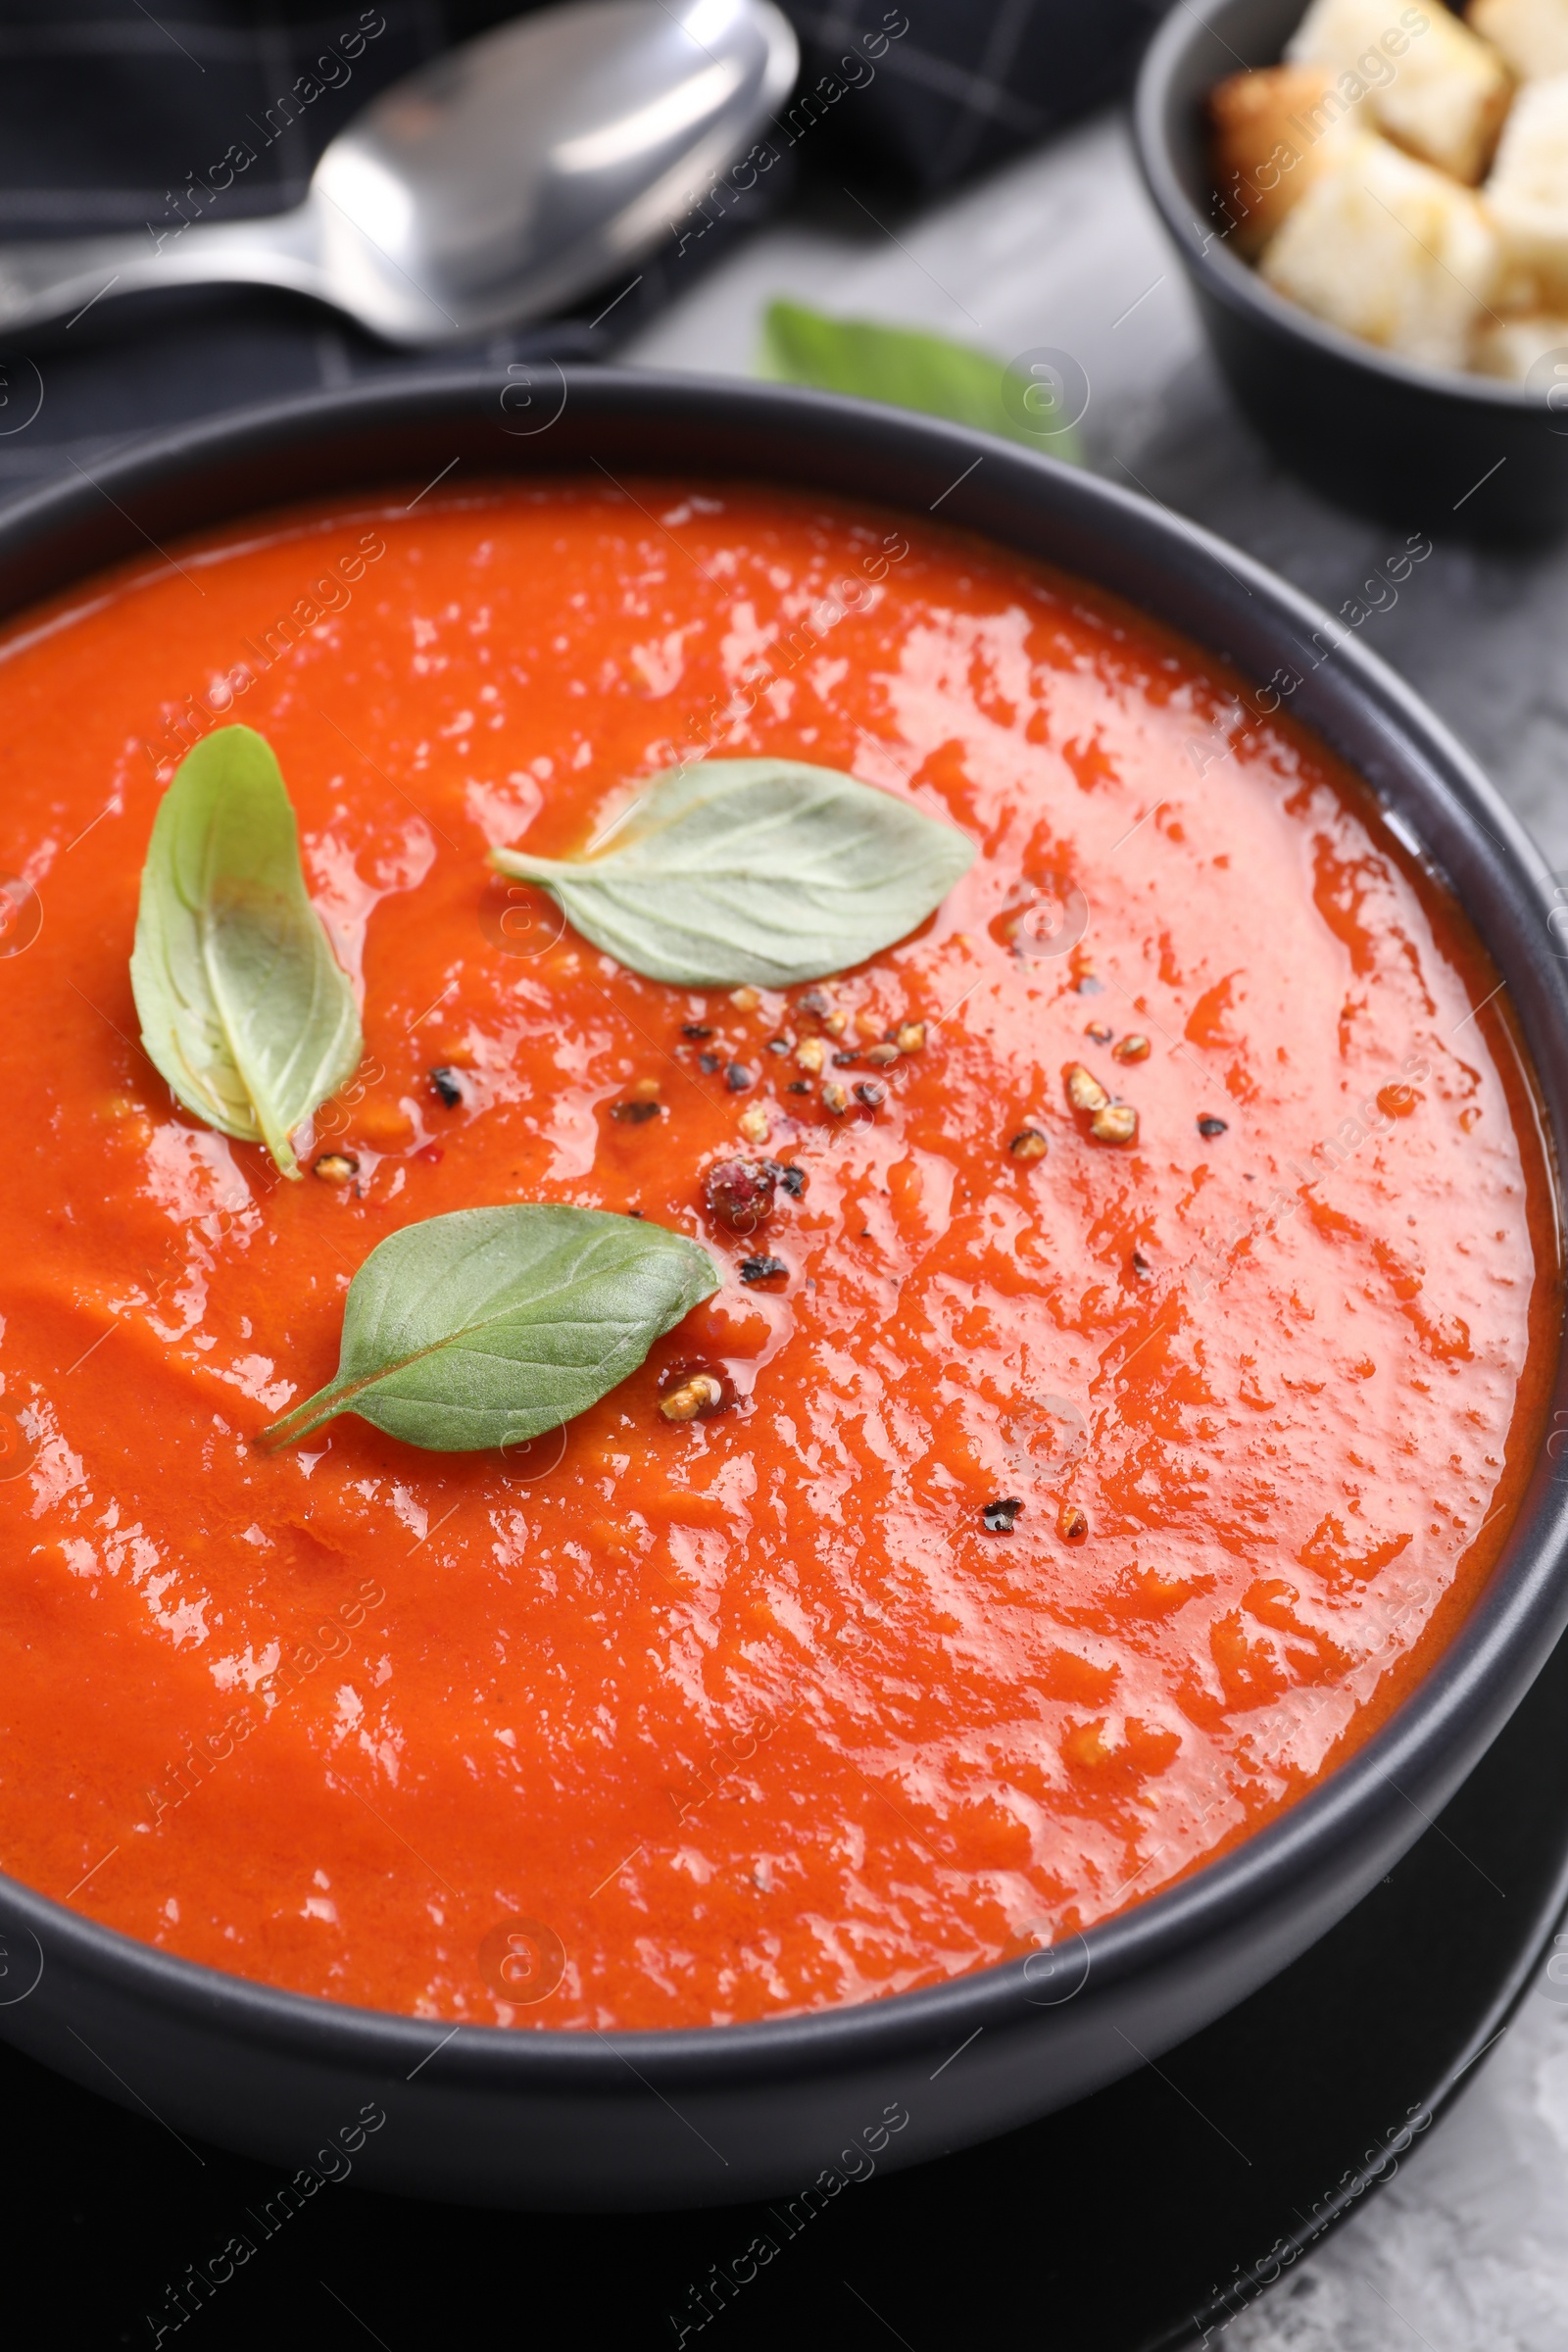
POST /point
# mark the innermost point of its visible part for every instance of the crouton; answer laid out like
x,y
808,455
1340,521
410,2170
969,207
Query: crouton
x,y
1527,197
1425,81
1388,250
1267,147
1529,35
1513,348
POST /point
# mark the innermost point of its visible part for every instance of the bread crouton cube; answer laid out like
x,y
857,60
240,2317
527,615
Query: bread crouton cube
x,y
1269,144
1388,250
1527,196
1527,350
1425,80
1529,35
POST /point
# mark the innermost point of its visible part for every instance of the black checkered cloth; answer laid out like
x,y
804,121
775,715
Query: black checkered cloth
x,y
973,80
110,110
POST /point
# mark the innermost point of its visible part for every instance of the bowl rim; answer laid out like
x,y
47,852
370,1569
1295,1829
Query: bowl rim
x,y
1508,1631
1236,282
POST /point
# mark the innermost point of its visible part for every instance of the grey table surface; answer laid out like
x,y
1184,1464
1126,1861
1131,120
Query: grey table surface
x,y
1468,2246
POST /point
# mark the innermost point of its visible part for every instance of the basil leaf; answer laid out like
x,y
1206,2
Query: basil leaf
x,y
243,1005
907,370
761,870
492,1325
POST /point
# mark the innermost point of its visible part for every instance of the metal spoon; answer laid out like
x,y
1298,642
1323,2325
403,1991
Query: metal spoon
x,y
488,188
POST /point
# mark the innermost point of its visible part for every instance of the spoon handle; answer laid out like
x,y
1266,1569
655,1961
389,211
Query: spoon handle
x,y
61,277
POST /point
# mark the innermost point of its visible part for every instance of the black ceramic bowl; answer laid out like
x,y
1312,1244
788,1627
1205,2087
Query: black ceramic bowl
x,y
726,2113
1433,450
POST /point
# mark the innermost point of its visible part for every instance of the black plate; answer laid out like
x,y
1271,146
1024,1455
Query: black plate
x,y
1129,2223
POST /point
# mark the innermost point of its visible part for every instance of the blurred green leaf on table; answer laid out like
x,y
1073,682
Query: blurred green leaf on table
x,y
908,370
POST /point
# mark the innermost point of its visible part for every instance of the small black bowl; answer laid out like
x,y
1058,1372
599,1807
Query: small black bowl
x,y
718,2115
1431,449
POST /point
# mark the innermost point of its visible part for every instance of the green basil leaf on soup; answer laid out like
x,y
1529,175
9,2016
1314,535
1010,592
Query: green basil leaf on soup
x,y
490,1326
244,1008
763,872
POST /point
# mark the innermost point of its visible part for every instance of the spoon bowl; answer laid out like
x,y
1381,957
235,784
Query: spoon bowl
x,y
486,189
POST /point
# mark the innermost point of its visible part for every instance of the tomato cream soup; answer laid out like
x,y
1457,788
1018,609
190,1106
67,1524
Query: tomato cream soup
x,y
1123,1397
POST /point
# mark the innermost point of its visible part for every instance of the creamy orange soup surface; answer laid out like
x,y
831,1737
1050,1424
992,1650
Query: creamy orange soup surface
x,y
1075,1503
